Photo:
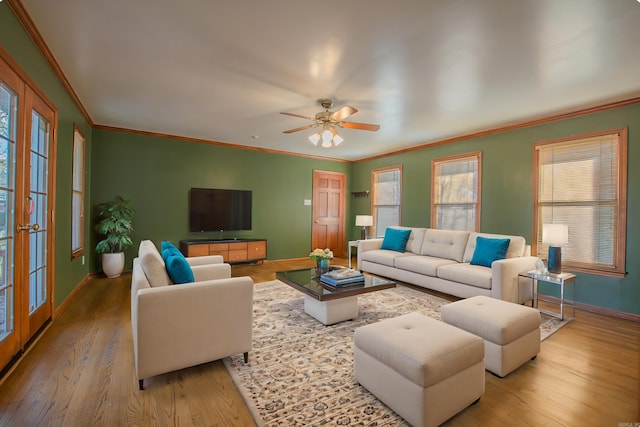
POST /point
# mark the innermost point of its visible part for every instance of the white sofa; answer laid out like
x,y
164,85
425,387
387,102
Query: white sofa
x,y
179,326
440,260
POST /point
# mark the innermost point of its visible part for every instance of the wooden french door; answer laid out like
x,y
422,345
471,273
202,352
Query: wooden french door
x,y
27,126
329,199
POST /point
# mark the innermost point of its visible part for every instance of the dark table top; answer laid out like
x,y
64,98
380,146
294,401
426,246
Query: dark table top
x,y
307,281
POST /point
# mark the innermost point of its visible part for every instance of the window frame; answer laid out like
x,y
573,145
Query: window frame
x,y
618,268
78,194
477,155
374,172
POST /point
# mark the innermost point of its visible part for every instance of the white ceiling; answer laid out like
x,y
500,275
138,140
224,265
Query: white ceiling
x,y
424,70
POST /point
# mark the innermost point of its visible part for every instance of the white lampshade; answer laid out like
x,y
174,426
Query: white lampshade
x,y
555,234
364,220
327,136
314,138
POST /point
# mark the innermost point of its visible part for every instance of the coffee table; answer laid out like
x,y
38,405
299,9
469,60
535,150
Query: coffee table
x,y
326,303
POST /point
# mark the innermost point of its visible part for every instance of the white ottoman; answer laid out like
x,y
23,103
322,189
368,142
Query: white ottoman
x,y
511,332
425,370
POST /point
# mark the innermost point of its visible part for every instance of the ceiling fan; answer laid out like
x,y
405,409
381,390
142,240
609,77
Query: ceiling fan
x,y
329,121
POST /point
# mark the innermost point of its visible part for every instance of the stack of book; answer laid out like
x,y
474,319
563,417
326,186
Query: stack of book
x,y
342,277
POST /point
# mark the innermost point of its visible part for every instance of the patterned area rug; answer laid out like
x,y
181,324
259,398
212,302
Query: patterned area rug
x,y
300,372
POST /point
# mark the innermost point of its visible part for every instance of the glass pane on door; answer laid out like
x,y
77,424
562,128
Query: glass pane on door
x,y
38,207
8,120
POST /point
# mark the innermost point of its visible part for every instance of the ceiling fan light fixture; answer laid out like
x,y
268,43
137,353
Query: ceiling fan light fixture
x,y
314,138
329,121
337,139
327,138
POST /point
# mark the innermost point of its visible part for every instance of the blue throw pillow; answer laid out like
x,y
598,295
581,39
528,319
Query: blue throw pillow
x,y
179,269
169,248
395,239
489,250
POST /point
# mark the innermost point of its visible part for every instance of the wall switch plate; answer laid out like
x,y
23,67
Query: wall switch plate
x,y
307,202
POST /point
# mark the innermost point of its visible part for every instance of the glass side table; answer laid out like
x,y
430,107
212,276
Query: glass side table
x,y
560,279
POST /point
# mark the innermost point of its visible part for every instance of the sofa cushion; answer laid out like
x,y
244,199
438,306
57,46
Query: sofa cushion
x,y
516,245
474,275
179,269
395,239
489,250
415,238
422,264
152,264
168,248
384,257
448,244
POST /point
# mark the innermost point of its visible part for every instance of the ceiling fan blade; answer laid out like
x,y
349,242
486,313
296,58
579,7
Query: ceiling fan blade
x,y
297,115
298,129
360,126
343,113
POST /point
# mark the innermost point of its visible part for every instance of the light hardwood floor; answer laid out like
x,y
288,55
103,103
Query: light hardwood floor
x,y
80,372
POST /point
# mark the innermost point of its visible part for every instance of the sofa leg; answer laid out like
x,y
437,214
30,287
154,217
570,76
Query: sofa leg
x,y
246,357
140,385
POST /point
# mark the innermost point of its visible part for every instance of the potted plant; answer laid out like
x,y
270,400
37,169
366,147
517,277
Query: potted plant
x,y
115,223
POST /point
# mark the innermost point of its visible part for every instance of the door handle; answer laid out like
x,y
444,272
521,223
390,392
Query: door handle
x,y
317,221
27,227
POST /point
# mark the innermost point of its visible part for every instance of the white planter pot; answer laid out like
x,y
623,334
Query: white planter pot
x,y
113,264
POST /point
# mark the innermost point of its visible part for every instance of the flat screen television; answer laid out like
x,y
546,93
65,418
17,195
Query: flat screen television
x,y
213,209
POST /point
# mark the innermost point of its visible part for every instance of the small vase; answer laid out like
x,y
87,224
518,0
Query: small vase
x,y
323,265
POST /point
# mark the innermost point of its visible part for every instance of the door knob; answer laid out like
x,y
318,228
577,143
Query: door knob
x,y
27,227
317,221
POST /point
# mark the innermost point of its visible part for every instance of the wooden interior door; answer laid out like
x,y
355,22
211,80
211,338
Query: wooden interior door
x,y
329,199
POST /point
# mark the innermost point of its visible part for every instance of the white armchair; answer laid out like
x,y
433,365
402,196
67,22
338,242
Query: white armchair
x,y
179,326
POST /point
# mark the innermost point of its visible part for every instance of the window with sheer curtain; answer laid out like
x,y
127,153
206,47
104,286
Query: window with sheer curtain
x,y
581,182
455,192
77,195
386,188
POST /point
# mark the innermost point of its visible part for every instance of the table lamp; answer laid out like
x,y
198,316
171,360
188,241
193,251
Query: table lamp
x,y
555,235
364,221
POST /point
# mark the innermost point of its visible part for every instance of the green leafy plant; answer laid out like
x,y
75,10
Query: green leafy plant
x,y
115,222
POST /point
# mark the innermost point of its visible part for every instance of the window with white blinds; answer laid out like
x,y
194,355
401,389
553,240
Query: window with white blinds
x,y
581,182
386,188
455,192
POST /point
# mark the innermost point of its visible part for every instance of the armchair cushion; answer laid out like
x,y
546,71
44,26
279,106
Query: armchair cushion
x,y
179,269
152,264
167,249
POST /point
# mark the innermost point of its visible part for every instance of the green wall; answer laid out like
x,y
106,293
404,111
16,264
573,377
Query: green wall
x,y
156,173
507,192
16,41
